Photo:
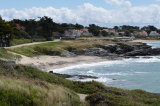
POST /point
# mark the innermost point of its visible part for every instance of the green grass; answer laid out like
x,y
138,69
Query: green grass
x,y
6,55
39,40
120,97
39,49
35,93
20,41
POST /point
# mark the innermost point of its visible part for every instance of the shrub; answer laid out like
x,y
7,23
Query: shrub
x,y
24,34
20,41
49,39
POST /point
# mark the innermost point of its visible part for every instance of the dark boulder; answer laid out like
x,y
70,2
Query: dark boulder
x,y
92,52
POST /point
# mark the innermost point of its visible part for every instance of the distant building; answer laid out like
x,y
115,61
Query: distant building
x,y
71,33
136,33
22,28
58,34
154,33
143,33
121,33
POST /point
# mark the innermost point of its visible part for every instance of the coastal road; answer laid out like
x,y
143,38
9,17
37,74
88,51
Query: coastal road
x,y
34,43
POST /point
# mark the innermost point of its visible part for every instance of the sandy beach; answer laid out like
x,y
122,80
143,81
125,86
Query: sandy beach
x,y
45,63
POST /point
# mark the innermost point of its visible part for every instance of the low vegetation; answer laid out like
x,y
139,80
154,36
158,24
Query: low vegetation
x,y
119,97
6,55
56,48
35,93
20,41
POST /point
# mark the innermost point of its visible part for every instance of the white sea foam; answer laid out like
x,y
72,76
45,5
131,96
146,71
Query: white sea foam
x,y
142,72
106,63
101,79
121,74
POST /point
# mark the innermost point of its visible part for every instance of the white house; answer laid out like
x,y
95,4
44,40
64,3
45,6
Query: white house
x,y
154,33
71,33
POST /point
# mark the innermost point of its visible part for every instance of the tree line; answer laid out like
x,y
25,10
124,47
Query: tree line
x,y
44,27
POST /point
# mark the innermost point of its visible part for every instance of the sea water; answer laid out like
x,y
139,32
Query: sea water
x,y
142,73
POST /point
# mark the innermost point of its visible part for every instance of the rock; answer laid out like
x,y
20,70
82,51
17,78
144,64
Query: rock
x,y
110,48
68,54
155,51
92,52
141,52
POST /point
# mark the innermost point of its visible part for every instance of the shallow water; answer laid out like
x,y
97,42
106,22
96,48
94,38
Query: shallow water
x,y
130,74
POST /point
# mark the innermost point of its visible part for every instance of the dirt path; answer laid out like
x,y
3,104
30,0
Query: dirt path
x,y
34,43
82,97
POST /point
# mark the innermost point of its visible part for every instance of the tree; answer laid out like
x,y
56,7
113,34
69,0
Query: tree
x,y
96,33
104,33
5,32
127,32
116,28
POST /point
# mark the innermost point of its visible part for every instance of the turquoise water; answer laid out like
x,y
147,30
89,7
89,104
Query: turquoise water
x,y
130,74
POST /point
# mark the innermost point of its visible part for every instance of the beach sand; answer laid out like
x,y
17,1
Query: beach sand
x,y
46,63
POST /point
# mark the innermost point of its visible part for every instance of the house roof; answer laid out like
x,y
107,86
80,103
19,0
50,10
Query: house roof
x,y
79,31
105,29
86,30
19,27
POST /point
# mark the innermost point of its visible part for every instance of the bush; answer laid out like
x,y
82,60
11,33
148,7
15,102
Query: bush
x,y
20,41
49,39
24,34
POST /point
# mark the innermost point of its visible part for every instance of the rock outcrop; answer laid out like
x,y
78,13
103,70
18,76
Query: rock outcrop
x,y
92,52
114,51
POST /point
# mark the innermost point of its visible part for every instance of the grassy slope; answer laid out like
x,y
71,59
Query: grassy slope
x,y
99,94
6,55
57,48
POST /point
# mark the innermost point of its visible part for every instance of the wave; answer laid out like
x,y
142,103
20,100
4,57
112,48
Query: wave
x,y
101,79
122,63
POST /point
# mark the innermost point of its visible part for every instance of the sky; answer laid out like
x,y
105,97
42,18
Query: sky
x,y
105,13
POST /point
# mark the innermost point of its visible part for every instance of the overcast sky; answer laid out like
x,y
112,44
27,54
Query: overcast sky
x,y
107,13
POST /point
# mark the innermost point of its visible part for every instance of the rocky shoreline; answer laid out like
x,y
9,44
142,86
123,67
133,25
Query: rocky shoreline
x,y
111,52
115,51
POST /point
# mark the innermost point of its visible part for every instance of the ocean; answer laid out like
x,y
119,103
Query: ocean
x,y
134,73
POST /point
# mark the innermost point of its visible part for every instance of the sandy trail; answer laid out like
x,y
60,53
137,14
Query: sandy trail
x,y
82,97
34,43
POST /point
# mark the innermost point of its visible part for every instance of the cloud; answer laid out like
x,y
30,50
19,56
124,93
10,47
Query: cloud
x,y
119,2
89,14
157,0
